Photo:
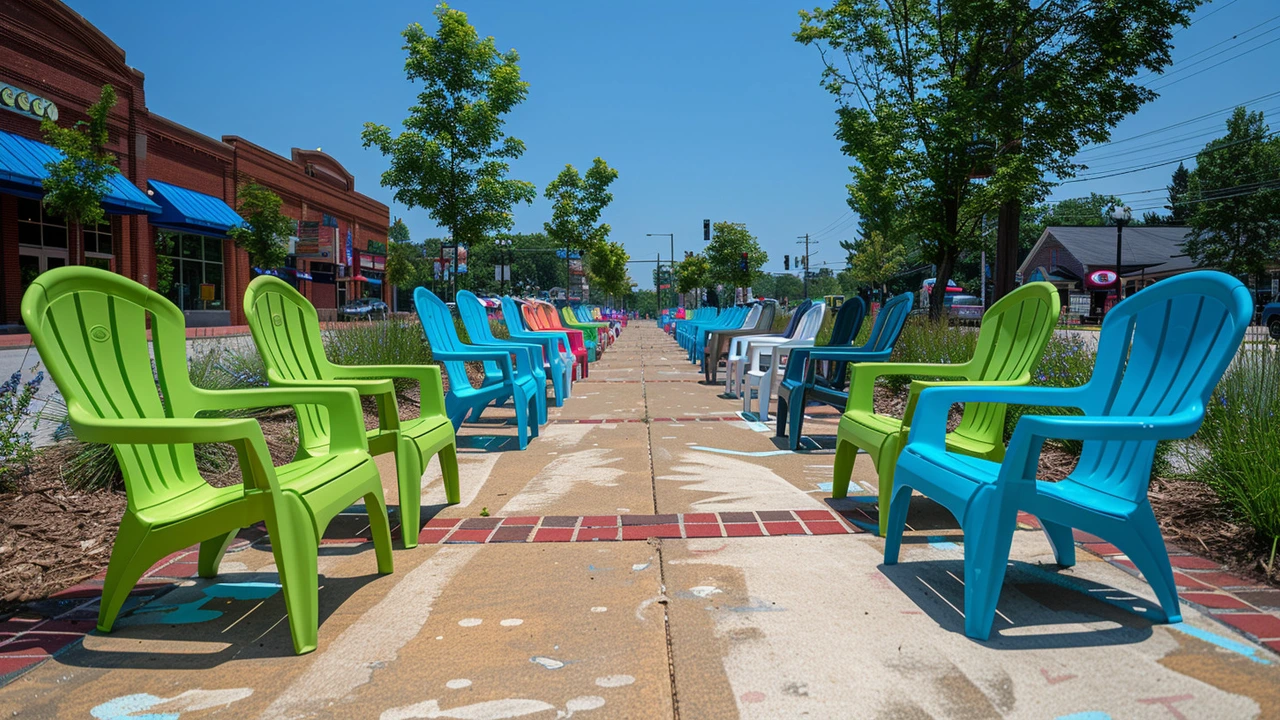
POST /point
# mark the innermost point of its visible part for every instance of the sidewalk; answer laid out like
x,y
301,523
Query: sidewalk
x,y
651,555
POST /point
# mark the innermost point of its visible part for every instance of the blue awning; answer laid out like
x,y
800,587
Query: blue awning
x,y
192,211
22,172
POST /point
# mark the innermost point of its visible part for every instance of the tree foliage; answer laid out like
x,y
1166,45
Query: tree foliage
x,y
692,274
452,156
1089,211
873,258
1235,199
398,232
577,201
266,230
607,266
406,267
724,254
974,103
77,183
1179,186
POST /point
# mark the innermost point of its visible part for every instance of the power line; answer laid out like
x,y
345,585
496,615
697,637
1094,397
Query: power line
x,y
1156,131
1214,149
1218,9
1203,70
1183,64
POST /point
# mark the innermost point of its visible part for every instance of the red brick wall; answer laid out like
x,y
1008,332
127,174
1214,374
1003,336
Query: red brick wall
x,y
51,51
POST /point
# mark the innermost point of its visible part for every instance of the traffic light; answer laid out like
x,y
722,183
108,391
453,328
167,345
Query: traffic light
x,y
706,230
786,262
743,264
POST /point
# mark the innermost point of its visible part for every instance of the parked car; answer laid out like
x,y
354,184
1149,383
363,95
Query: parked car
x,y
365,308
961,309
1271,318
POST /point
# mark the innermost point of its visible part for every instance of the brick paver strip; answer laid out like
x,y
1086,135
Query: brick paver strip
x,y
480,523
700,518
643,532
1218,601
737,517
529,520
775,515
600,521
553,535
743,530
702,530
590,534
649,520
1263,626
1191,562
515,533
468,536
559,521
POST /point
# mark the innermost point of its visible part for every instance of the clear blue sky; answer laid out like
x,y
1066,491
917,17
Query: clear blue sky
x,y
707,109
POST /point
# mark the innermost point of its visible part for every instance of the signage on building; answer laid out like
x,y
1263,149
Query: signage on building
x,y
314,241
21,101
350,247
206,292
369,261
1101,279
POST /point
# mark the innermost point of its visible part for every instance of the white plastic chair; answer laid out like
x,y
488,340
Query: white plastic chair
x,y
764,379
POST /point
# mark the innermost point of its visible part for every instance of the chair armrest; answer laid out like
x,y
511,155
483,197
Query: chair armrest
x,y
366,388
863,376
918,386
430,384
502,358
935,402
346,419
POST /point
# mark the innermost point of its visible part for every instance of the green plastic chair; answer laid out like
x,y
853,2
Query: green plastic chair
x,y
595,332
286,330
1011,340
90,327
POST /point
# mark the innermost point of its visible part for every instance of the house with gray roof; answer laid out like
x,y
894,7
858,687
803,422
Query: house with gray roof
x,y
1065,256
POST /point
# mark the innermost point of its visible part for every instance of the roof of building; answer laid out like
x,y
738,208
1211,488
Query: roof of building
x,y
1143,247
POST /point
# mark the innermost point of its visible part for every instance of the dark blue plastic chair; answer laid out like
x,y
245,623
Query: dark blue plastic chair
x,y
802,384
507,381
1160,354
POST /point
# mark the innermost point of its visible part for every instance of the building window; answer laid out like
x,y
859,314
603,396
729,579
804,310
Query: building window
x,y
189,270
37,228
373,289
1053,258
98,246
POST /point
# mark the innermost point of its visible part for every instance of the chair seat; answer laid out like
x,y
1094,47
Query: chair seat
x,y
1081,497
422,426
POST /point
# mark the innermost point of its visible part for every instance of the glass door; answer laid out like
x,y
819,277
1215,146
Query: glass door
x,y
33,261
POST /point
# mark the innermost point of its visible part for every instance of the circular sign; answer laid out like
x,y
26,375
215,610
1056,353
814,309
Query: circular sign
x,y
51,112
24,101
1102,278
7,96
37,106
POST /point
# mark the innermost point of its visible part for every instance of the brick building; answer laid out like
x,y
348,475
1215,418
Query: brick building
x,y
170,207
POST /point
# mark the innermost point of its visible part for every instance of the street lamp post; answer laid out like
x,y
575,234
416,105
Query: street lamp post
x,y
504,269
1121,215
671,279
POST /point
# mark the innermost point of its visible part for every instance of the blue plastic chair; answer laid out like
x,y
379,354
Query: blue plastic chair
x,y
1161,352
517,383
475,318
555,349
684,328
803,386
696,331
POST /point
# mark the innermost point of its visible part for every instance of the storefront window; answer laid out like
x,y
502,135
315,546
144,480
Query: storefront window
x,y
98,246
373,289
189,270
38,228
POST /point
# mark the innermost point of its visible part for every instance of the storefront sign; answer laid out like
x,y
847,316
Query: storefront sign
x,y
1101,279
350,248
369,261
206,292
21,101
314,241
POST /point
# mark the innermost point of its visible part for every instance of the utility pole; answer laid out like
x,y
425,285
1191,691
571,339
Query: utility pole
x,y
805,237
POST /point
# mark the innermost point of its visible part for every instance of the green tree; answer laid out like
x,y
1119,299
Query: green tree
x,y
692,274
787,287
607,268
398,232
452,156
977,102
76,183
404,264
646,302
1235,199
577,203
1179,186
873,259
1088,211
724,255
266,230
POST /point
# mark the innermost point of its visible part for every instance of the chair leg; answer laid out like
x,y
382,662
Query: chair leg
x,y
522,424
127,565
846,453
1142,542
211,552
449,469
409,481
796,407
479,409
294,545
1063,542
380,529
781,430
897,522
988,534
886,464
765,395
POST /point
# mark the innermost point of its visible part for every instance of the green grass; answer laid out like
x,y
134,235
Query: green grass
x,y
1237,450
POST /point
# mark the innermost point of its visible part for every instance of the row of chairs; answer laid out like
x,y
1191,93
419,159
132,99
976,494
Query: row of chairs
x,y
92,329
1160,354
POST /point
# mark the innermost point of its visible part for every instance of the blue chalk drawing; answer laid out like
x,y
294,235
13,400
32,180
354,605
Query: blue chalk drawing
x,y
722,451
123,708
1223,642
938,542
194,612
1090,715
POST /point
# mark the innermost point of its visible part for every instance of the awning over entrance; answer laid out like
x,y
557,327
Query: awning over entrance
x,y
192,211
22,172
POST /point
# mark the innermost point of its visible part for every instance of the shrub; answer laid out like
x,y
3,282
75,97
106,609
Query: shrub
x,y
1237,450
393,341
930,341
16,448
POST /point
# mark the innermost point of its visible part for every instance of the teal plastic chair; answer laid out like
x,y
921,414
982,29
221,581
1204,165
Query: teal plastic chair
x,y
556,350
696,332
803,386
475,318
286,331
509,381
1161,352
90,327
